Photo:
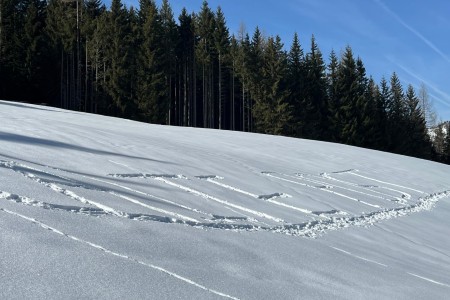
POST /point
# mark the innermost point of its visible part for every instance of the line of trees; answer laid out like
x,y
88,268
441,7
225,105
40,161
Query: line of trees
x,y
142,64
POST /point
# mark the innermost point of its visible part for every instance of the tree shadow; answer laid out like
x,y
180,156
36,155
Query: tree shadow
x,y
22,139
29,106
86,184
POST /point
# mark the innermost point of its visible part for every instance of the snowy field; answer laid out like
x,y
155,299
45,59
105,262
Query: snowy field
x,y
105,208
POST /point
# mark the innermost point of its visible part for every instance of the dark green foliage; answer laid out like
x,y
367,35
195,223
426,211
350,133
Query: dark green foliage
x,y
119,58
142,64
347,94
315,112
396,114
295,81
417,140
334,112
272,111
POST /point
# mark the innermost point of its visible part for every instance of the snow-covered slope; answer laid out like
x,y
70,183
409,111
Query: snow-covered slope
x,y
98,207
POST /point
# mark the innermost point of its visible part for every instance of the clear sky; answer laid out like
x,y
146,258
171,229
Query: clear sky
x,y
408,37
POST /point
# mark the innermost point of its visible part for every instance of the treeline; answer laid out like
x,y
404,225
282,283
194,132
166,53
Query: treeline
x,y
144,65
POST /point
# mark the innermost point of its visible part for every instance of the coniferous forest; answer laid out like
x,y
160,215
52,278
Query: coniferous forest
x,y
145,65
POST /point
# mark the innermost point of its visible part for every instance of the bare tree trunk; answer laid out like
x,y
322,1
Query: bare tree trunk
x,y
220,92
62,79
86,80
233,123
243,105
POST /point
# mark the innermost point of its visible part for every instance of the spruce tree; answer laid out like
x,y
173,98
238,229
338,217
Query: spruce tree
x,y
347,93
151,96
364,108
333,99
92,16
168,59
295,78
396,117
222,47
118,59
373,114
315,101
272,111
186,57
417,140
255,74
204,53
382,108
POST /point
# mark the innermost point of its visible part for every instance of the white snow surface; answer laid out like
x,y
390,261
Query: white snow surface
x,y
106,208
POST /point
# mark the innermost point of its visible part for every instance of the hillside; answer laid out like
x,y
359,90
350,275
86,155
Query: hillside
x,y
99,207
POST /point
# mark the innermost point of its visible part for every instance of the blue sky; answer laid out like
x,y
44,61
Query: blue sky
x,y
408,37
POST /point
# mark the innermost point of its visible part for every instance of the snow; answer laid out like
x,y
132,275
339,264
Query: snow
x,y
100,207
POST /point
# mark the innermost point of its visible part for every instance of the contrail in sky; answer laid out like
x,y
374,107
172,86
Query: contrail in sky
x,y
444,97
415,32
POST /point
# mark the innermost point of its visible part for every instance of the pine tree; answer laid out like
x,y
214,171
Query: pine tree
x,y
382,108
255,74
168,59
335,118
347,93
33,48
93,15
61,31
118,58
363,110
186,56
222,46
243,71
295,78
416,138
315,100
204,53
151,96
272,111
373,115
396,116
234,59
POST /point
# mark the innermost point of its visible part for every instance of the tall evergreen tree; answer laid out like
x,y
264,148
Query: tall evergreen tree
x,y
94,10
168,39
416,138
118,58
372,118
151,97
222,46
272,111
315,101
296,77
347,93
204,52
382,108
186,58
255,73
333,98
396,116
